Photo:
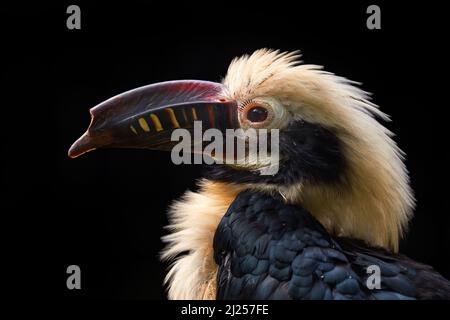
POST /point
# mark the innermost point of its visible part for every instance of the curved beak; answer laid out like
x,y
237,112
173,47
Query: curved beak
x,y
146,117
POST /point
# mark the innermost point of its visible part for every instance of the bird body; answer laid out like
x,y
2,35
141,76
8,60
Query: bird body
x,y
244,244
338,205
266,249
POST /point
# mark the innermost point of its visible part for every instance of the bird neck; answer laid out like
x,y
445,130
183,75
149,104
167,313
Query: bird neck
x,y
357,207
193,222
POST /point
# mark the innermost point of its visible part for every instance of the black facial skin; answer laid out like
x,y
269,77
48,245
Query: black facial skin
x,y
308,152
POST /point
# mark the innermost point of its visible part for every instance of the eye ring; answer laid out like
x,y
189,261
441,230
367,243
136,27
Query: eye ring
x,y
255,114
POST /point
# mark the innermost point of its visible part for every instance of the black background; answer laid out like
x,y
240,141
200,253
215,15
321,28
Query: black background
x,y
105,211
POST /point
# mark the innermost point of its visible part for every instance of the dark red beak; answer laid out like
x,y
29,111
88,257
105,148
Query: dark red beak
x,y
145,117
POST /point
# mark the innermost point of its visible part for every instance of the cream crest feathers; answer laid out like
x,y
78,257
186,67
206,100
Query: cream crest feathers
x,y
373,202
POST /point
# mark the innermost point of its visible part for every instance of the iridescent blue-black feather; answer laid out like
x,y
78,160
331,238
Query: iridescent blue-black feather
x,y
267,249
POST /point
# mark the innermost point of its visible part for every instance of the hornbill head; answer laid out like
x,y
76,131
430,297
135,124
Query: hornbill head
x,y
335,158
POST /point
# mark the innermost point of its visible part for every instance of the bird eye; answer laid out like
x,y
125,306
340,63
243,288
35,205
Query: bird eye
x,y
262,112
257,114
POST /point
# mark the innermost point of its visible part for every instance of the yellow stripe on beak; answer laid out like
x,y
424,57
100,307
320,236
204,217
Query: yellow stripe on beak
x,y
156,122
144,124
194,113
133,129
173,118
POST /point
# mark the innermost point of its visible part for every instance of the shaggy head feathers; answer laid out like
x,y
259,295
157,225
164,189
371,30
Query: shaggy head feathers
x,y
374,201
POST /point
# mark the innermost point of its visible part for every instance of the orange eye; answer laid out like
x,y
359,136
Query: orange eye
x,y
257,114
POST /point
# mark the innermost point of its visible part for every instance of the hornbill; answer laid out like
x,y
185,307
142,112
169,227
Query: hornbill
x,y
338,205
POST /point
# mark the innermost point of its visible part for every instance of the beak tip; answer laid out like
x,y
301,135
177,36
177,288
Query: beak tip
x,y
72,154
82,145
